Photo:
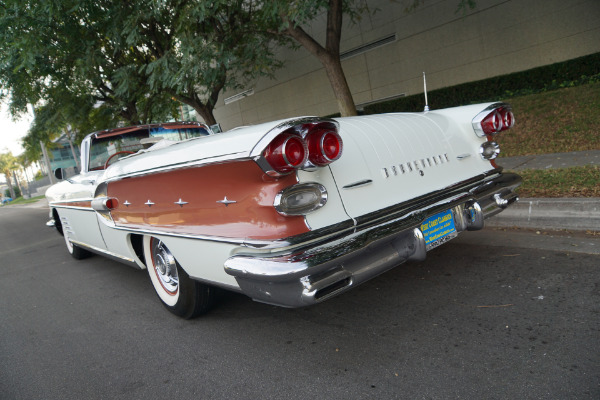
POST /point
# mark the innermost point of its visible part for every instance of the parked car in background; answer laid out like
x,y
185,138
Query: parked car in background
x,y
290,212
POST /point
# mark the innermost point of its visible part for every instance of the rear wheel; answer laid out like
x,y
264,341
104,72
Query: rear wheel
x,y
179,293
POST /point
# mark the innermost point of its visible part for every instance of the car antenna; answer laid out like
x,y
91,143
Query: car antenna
x,y
425,90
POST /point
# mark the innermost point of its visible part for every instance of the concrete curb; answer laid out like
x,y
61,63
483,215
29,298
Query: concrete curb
x,y
582,214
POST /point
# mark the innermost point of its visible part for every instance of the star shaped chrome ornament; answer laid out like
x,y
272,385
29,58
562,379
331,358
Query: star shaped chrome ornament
x,y
226,201
126,204
181,203
149,203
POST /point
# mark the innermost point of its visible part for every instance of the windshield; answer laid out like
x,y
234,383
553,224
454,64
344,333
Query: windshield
x,y
112,147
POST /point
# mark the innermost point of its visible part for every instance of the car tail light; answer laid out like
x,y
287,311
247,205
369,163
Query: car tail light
x,y
492,124
304,143
493,120
286,153
324,146
104,203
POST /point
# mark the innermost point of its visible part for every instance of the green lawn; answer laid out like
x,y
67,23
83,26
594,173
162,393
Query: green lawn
x,y
563,182
21,200
559,121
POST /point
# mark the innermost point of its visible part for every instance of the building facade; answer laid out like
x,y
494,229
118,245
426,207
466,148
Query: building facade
x,y
61,155
385,54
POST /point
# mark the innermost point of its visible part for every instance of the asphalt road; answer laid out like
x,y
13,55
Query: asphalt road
x,y
474,321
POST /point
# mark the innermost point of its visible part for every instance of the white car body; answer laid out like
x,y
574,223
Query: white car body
x,y
209,208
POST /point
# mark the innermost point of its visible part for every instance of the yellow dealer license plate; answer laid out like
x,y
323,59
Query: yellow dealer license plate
x,y
438,229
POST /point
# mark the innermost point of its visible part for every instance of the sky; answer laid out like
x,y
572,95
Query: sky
x,y
12,131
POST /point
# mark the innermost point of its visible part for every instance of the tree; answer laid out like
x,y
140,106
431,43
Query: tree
x,y
285,19
8,163
72,46
194,50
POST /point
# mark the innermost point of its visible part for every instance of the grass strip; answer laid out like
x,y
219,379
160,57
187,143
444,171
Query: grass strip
x,y
21,200
558,121
563,182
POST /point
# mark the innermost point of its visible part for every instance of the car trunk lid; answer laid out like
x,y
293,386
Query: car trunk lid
x,y
393,158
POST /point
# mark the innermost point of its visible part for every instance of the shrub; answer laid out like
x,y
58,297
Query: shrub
x,y
574,72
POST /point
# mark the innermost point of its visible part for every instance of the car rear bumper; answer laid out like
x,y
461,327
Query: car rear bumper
x,y
320,268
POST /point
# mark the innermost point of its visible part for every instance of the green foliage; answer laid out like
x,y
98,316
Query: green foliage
x,y
17,192
8,163
194,50
565,74
556,121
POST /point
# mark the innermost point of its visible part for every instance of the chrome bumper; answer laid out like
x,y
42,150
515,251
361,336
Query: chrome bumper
x,y
310,272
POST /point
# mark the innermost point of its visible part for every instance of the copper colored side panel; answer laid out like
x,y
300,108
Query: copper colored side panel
x,y
151,202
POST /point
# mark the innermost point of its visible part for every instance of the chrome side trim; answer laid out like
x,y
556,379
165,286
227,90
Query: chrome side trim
x,y
240,156
72,207
78,200
330,231
437,200
358,184
107,253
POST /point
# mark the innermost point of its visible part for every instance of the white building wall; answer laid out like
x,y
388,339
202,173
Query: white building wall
x,y
498,37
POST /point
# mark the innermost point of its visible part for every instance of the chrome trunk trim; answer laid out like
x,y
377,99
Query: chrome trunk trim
x,y
310,272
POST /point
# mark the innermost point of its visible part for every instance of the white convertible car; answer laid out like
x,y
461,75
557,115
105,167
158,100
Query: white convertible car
x,y
289,212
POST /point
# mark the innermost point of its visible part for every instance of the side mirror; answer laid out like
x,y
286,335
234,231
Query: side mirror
x,y
60,173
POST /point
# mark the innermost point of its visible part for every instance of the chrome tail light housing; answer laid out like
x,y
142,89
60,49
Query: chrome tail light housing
x,y
494,119
305,143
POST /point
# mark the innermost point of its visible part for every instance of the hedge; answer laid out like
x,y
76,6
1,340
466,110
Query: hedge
x,y
568,73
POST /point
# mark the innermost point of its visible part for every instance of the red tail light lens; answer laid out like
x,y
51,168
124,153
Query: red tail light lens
x,y
111,203
324,146
492,124
508,118
286,153
499,119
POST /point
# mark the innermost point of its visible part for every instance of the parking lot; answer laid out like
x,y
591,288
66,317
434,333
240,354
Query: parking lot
x,y
482,317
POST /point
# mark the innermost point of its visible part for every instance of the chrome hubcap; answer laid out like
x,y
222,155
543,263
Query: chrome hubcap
x,y
165,266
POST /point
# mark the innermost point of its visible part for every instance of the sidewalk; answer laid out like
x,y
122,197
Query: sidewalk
x,y
579,213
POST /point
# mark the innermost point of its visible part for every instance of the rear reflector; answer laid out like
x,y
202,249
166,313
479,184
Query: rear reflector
x,y
300,199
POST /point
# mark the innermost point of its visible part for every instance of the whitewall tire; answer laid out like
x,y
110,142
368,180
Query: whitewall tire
x,y
179,293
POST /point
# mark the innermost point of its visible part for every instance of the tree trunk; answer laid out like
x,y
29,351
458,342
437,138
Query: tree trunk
x,y
206,113
10,187
329,55
18,183
337,79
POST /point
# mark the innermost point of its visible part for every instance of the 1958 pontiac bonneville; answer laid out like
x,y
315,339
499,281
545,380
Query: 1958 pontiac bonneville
x,y
290,212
